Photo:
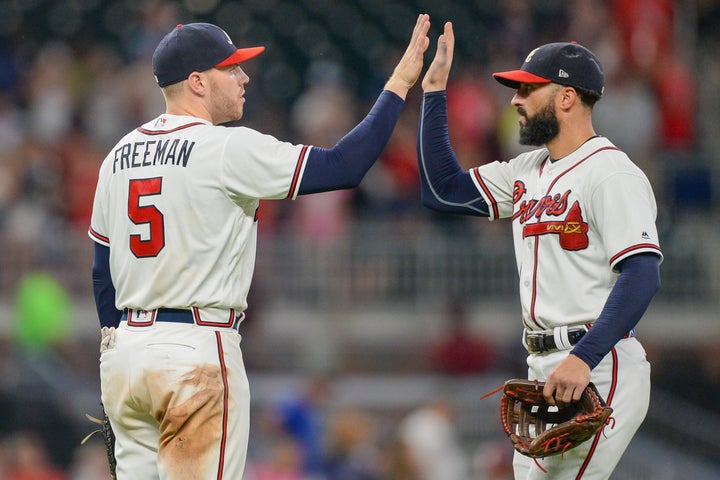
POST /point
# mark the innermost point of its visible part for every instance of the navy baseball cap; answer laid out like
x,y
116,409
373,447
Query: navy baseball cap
x,y
566,63
196,47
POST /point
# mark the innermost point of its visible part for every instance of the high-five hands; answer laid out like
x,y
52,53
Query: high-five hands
x,y
436,77
408,69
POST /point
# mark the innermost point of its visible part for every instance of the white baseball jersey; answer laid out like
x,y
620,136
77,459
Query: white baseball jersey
x,y
167,203
573,220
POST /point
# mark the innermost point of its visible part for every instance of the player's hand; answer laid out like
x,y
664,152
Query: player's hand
x,y
436,77
567,381
408,69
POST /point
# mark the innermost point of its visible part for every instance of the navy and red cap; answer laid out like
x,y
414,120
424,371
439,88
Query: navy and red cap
x,y
196,47
566,63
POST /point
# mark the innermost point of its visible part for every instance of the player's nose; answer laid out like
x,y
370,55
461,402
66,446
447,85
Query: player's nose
x,y
243,77
517,100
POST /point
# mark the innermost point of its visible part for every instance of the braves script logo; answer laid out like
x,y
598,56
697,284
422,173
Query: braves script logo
x,y
572,231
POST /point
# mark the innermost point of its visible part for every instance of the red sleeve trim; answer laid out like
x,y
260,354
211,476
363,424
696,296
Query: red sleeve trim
x,y
96,236
642,246
296,176
486,190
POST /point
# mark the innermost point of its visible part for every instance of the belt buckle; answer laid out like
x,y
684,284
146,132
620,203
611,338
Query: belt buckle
x,y
535,342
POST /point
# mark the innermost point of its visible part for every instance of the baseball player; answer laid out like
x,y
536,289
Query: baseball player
x,y
586,245
174,222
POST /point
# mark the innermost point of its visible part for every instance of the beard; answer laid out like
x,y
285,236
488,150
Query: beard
x,y
540,128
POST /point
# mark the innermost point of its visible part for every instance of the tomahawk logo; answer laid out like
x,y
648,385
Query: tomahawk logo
x,y
572,231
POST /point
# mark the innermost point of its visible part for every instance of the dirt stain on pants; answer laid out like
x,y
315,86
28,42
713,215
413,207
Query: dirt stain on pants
x,y
191,432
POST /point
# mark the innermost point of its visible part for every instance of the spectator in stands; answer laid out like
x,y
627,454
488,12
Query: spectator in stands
x,y
352,449
459,350
28,460
303,418
430,434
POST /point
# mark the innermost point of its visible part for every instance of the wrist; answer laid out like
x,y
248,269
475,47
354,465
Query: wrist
x,y
582,358
398,87
429,87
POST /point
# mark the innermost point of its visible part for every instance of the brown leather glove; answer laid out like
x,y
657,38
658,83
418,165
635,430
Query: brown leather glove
x,y
538,429
108,437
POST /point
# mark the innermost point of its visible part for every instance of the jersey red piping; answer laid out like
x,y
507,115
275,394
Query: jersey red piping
x,y
163,132
206,323
611,394
146,323
634,247
223,374
96,235
534,290
493,203
552,184
296,176
537,241
542,165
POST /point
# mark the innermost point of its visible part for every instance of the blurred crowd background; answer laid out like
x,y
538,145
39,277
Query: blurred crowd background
x,y
374,325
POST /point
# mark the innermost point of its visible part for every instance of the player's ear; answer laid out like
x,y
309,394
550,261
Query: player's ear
x,y
567,96
197,82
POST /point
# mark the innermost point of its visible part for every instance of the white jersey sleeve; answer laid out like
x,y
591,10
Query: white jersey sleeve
x,y
623,208
255,165
496,181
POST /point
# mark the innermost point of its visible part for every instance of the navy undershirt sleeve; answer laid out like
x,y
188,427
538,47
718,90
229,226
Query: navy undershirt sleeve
x,y
103,288
638,282
445,185
344,165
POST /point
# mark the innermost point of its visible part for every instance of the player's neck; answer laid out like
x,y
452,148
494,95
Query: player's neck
x,y
569,140
186,109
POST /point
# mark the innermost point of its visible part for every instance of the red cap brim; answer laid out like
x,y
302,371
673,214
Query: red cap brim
x,y
241,55
513,78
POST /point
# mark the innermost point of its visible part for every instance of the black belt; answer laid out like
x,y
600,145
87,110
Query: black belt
x,y
175,315
545,342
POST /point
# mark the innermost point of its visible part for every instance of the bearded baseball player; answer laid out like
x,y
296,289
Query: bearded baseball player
x,y
586,245
174,222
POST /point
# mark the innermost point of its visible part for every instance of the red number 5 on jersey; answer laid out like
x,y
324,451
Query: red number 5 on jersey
x,y
146,214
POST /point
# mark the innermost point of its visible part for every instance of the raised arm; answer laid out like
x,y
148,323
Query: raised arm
x,y
345,165
408,69
438,72
445,186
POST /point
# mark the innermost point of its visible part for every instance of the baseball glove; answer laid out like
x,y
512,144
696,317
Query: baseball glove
x,y
108,437
537,429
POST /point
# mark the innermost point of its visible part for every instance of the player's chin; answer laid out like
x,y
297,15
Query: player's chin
x,y
237,114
